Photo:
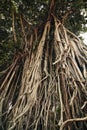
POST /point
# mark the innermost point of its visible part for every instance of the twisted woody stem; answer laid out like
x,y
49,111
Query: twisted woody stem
x,y
51,8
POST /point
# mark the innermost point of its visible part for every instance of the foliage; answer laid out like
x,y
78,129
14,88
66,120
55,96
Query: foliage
x,y
36,13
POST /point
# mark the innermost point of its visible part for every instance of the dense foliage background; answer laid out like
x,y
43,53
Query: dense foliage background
x,y
36,12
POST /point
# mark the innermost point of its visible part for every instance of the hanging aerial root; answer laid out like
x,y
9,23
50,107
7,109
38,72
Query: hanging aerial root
x,y
68,122
52,92
74,68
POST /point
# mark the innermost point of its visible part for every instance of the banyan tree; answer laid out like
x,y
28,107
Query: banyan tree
x,y
45,86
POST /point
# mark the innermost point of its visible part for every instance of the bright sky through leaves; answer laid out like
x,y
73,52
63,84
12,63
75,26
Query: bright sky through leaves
x,y
84,36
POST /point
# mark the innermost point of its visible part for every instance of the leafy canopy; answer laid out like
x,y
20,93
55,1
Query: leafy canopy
x,y
36,13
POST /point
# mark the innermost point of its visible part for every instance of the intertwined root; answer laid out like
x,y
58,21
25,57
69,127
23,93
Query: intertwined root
x,y
52,92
